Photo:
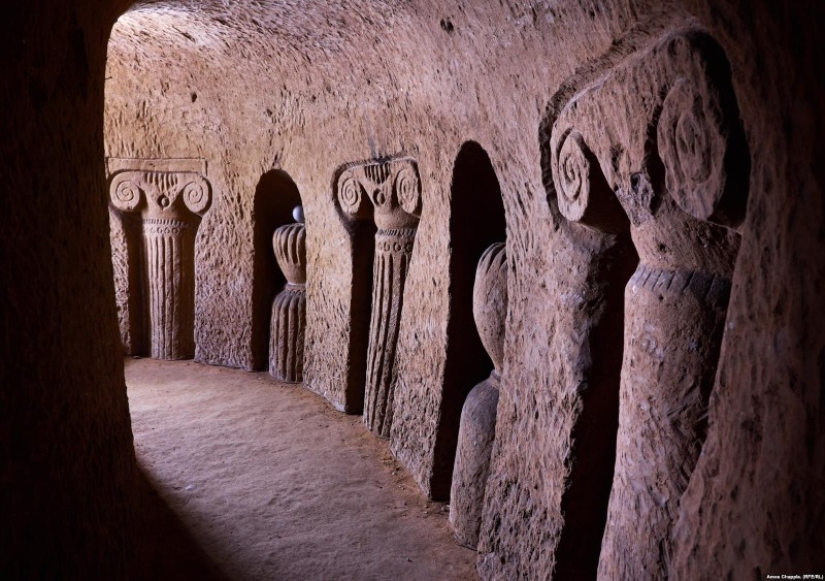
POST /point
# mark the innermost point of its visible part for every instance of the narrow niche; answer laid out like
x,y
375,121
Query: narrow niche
x,y
476,222
279,277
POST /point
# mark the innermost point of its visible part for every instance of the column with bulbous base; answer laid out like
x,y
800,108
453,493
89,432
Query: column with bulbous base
x,y
288,323
477,429
170,197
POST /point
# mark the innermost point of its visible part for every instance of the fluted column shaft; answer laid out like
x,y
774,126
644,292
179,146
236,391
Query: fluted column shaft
x,y
169,287
393,249
389,193
288,323
170,196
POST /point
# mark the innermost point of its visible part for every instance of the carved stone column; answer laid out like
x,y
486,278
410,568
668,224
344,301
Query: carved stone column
x,y
478,416
684,191
286,339
390,192
170,196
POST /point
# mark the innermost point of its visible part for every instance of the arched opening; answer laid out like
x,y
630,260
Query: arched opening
x,y
476,221
276,195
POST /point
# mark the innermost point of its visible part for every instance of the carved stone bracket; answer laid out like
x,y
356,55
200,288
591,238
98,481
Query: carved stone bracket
x,y
389,192
668,118
170,196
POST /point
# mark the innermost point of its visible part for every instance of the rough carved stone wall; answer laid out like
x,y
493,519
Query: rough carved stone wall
x,y
256,87
68,484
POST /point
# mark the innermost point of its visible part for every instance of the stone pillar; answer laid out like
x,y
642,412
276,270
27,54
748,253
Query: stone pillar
x,y
478,417
286,338
685,194
393,249
390,193
673,333
170,196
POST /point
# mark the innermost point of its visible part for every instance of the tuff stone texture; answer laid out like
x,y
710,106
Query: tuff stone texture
x,y
260,87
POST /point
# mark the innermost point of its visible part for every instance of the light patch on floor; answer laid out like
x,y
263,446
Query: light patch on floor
x,y
271,483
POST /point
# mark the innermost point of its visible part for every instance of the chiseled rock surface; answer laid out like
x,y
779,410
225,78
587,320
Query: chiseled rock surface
x,y
67,464
306,87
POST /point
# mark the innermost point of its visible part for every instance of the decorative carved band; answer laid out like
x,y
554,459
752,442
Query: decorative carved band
x,y
397,240
665,120
708,288
153,226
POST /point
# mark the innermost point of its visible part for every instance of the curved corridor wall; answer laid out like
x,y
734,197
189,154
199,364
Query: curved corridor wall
x,y
68,478
263,86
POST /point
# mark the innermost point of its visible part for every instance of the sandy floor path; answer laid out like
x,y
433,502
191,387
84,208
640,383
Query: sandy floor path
x,y
246,478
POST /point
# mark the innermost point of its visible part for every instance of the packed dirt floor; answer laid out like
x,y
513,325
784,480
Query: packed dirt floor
x,y
249,479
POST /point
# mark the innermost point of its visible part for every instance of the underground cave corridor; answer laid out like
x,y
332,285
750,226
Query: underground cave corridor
x,y
411,289
659,213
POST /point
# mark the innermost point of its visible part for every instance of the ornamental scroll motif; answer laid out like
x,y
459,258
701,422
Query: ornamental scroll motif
x,y
389,192
666,123
169,196
655,147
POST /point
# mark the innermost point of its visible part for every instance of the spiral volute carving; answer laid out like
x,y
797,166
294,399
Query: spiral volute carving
x,y
571,174
124,191
197,195
693,142
408,190
350,195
